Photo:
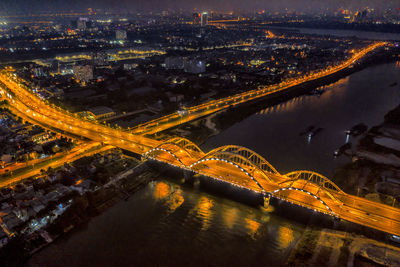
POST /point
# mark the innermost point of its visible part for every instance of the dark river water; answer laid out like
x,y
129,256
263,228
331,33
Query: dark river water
x,y
345,33
168,223
364,97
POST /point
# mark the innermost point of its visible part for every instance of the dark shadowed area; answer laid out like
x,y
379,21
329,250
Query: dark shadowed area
x,y
309,6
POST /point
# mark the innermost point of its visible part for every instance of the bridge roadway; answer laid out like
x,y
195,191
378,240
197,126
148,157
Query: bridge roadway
x,y
232,164
323,196
196,112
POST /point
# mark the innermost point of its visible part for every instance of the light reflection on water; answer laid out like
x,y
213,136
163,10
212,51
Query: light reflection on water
x,y
204,218
175,200
171,195
292,104
285,237
161,191
204,211
170,224
230,216
279,132
252,226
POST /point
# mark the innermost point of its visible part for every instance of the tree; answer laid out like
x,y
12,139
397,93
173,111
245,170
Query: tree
x,y
13,254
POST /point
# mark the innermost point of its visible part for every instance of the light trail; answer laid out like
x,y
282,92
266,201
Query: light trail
x,y
238,166
196,112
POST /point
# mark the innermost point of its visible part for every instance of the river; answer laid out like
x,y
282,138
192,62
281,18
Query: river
x,y
364,97
169,223
345,33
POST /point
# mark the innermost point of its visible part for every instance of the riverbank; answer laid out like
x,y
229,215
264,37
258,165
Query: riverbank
x,y
375,169
374,172
93,204
198,131
336,248
376,32
76,208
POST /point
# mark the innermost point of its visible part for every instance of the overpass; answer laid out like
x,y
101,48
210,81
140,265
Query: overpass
x,y
196,112
246,169
235,165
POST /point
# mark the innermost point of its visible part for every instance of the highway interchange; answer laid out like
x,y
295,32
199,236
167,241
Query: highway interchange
x,y
303,188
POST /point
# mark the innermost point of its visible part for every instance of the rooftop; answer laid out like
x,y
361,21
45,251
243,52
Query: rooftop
x,y
100,110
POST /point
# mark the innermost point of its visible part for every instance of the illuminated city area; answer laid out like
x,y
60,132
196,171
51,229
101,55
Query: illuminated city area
x,y
145,135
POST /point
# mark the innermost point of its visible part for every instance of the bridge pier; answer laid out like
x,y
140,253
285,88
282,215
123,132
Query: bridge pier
x,y
188,175
336,223
267,198
170,170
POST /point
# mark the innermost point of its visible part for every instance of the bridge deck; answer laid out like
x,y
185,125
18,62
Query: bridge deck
x,y
246,174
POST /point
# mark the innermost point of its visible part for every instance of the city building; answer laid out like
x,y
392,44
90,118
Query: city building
x,y
175,97
174,63
83,73
204,18
120,35
100,112
130,66
100,58
196,18
81,24
38,72
194,66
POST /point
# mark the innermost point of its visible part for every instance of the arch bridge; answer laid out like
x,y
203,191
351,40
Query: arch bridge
x,y
232,164
245,168
316,186
176,151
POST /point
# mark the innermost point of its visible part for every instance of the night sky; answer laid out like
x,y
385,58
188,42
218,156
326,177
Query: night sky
x,y
21,6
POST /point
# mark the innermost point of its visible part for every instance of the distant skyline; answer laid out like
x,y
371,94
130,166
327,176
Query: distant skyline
x,y
310,6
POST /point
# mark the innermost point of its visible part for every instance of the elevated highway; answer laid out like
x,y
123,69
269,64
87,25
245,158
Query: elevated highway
x,y
196,112
246,169
234,165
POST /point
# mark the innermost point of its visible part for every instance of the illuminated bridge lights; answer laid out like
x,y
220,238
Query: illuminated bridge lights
x,y
273,193
223,179
165,150
307,192
192,168
149,127
184,144
248,162
233,164
298,176
220,178
307,207
309,176
317,179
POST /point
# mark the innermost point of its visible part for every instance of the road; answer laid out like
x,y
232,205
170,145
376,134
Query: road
x,y
86,150
235,165
196,112
302,193
21,165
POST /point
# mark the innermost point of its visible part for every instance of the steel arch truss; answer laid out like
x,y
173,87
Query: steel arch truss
x,y
151,154
307,192
185,144
251,157
236,159
314,178
175,146
193,167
